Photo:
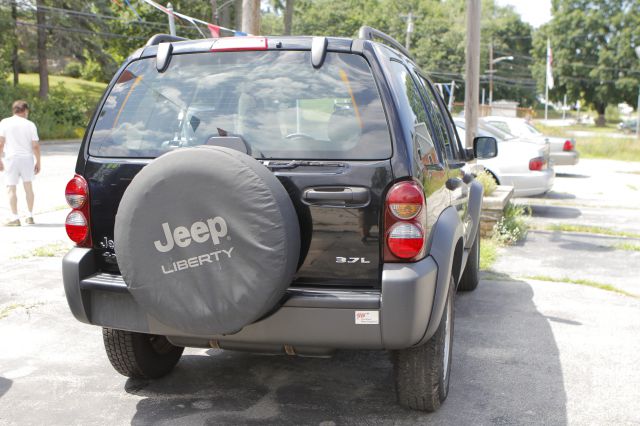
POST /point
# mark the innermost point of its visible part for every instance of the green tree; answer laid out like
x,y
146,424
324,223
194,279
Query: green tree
x,y
593,52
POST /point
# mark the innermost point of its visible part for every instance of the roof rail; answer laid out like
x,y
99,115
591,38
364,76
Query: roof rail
x,y
162,38
368,33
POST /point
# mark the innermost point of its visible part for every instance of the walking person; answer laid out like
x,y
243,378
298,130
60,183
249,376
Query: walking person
x,y
19,143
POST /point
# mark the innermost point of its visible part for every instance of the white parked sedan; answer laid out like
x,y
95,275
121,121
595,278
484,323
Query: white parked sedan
x,y
520,163
563,150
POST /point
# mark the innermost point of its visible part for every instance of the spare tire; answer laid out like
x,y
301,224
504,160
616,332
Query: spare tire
x,y
207,240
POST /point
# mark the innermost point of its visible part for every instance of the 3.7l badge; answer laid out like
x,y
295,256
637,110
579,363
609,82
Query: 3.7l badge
x,y
351,260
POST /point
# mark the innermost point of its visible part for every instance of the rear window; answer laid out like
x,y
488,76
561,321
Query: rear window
x,y
276,103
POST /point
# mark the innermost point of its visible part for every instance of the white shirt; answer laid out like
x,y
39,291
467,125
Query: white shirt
x,y
19,134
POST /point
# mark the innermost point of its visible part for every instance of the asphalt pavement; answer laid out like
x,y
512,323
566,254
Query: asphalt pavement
x,y
525,351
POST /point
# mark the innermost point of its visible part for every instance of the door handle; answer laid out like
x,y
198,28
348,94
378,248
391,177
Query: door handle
x,y
453,183
340,195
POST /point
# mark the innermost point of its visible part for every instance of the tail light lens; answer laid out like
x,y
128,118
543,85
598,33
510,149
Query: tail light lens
x,y
77,226
537,163
76,192
568,146
405,223
77,223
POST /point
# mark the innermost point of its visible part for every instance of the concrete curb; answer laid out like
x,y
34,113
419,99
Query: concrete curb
x,y
60,141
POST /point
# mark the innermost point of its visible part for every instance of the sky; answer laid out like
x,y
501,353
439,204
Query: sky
x,y
535,12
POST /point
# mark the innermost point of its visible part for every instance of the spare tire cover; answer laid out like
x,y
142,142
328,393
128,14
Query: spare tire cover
x,y
207,240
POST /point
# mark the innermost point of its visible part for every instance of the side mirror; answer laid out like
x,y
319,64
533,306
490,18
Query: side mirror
x,y
485,147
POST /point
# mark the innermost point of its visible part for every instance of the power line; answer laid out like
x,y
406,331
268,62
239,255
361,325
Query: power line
x,y
76,30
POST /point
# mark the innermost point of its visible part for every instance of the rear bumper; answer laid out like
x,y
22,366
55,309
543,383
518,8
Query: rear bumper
x,y
565,158
310,320
530,183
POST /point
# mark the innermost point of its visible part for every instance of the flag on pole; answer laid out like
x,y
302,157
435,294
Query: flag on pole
x,y
549,63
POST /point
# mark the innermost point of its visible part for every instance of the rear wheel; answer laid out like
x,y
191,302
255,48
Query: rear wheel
x,y
471,275
138,355
422,373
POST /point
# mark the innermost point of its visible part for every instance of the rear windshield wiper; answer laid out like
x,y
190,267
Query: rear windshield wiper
x,y
280,165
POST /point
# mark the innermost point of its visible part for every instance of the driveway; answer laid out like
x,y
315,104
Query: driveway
x,y
525,351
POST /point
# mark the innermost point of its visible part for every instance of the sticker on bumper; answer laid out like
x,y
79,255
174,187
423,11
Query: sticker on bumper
x,y
367,317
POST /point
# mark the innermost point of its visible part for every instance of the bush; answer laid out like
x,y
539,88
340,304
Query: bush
x,y
92,71
612,114
487,181
73,69
513,226
61,114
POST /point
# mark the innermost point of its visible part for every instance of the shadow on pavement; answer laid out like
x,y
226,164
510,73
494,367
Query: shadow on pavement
x,y
506,370
568,241
555,212
572,175
5,384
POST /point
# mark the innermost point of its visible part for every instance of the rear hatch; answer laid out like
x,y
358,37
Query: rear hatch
x,y
323,132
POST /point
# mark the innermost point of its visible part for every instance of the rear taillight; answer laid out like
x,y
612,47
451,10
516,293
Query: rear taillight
x,y
405,223
77,223
537,163
568,146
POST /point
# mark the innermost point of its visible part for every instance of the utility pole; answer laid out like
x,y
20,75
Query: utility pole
x,y
172,22
214,12
638,104
491,72
407,42
14,53
251,16
472,72
43,69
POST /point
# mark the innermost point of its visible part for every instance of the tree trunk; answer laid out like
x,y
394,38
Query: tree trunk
x,y
14,54
601,121
288,17
225,16
237,10
42,51
214,12
251,16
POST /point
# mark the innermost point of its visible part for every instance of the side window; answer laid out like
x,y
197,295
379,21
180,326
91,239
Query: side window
x,y
427,150
439,120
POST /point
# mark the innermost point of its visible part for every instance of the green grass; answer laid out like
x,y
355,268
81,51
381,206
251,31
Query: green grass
x,y
49,250
488,253
622,149
588,283
75,85
591,230
628,246
5,311
600,145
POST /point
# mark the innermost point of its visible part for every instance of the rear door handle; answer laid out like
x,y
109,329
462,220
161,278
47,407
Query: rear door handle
x,y
337,196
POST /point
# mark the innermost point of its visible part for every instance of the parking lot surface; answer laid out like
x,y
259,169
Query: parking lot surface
x,y
526,351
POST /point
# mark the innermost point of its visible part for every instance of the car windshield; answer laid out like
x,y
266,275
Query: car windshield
x,y
486,129
531,129
274,103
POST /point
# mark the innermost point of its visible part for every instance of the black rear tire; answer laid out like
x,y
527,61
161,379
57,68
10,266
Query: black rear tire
x,y
422,372
471,275
138,355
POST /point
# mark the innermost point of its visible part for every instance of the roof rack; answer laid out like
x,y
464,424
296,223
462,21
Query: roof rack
x,y
163,38
368,33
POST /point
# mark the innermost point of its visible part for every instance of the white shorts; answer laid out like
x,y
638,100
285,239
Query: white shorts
x,y
16,168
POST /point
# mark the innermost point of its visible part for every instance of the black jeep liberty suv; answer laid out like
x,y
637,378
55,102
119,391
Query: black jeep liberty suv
x,y
289,195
